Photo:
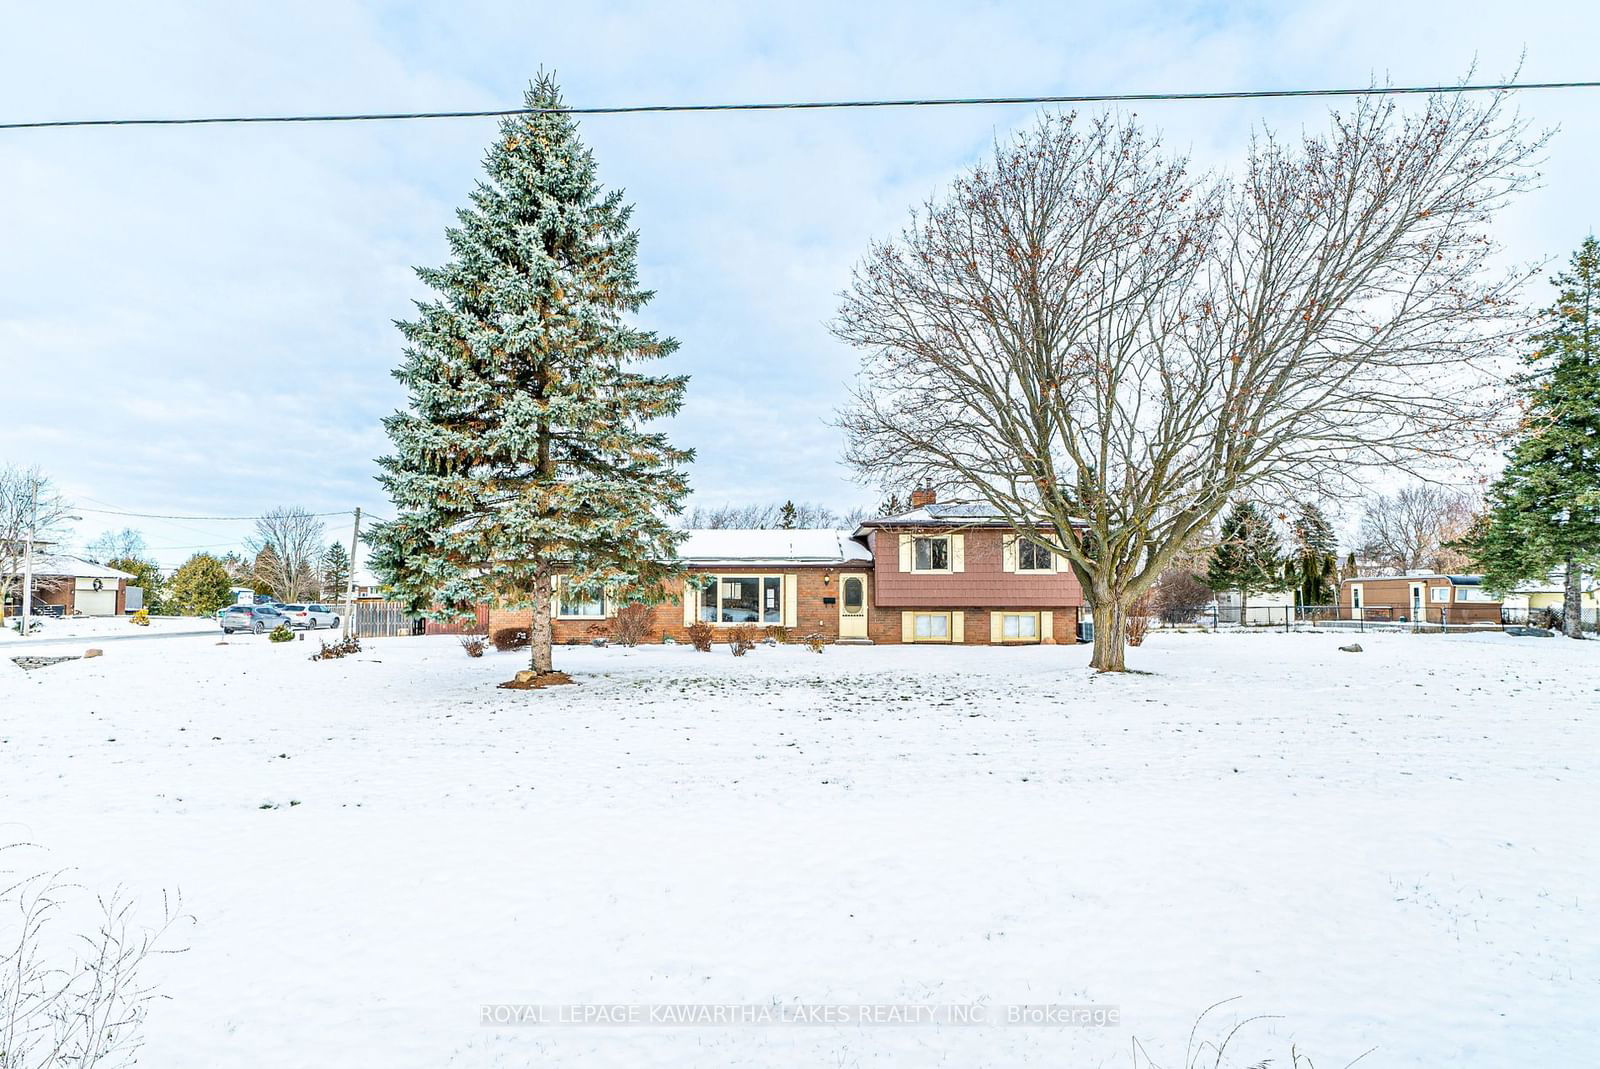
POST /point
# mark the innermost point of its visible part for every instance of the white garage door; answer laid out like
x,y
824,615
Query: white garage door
x,y
97,602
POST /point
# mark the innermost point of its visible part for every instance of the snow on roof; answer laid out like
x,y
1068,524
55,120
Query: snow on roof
x,y
799,546
940,515
61,565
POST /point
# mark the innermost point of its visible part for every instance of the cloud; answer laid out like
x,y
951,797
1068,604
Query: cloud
x,y
200,319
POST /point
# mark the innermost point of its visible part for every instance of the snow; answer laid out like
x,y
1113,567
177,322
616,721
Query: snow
x,y
1390,849
799,546
51,565
52,629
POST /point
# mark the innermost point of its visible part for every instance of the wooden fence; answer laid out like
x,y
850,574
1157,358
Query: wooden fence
x,y
390,619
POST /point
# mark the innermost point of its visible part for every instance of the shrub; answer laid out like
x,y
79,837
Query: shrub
x,y
281,633
510,638
1139,618
741,639
141,618
700,636
816,642
780,635
474,645
1180,596
82,1003
342,648
631,625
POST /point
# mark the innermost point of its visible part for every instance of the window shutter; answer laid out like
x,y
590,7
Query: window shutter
x,y
555,596
957,621
1008,554
1047,627
905,553
958,553
688,601
995,633
608,603
908,627
791,601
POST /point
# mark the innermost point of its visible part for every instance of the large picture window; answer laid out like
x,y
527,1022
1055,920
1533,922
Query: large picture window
x,y
741,599
931,554
577,603
1032,557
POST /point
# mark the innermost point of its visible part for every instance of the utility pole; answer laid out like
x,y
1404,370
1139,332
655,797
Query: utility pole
x,y
27,556
350,583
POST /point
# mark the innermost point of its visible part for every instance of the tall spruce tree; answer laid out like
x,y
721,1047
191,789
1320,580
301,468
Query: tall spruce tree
x,y
335,569
524,453
1314,558
1544,509
1249,555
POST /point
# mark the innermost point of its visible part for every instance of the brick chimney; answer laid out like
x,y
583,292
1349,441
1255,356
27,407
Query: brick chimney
x,y
923,498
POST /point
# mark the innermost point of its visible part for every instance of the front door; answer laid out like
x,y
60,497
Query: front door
x,y
1418,605
852,606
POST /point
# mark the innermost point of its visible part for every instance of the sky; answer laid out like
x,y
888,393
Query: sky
x,y
199,321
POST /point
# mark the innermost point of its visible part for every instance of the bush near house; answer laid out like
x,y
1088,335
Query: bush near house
x,y
631,625
281,633
140,618
700,636
741,639
474,645
507,639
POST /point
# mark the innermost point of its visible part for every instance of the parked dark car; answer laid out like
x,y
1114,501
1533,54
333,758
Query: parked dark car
x,y
252,618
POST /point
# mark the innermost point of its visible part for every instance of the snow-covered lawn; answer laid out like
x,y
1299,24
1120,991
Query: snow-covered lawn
x,y
1392,849
56,629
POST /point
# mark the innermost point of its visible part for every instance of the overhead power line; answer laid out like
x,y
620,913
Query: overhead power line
x,y
813,105
157,516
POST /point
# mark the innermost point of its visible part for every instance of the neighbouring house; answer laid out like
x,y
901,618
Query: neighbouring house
x,y
1419,597
1550,593
77,586
942,574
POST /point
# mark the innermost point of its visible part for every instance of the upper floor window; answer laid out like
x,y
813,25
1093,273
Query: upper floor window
x,y
930,554
1032,557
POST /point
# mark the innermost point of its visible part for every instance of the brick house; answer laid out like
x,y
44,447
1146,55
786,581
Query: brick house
x,y
1419,597
79,587
937,574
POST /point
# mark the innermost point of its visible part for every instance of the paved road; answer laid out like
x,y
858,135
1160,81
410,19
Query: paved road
x,y
21,647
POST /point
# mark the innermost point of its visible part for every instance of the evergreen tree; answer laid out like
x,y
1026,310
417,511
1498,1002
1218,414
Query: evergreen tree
x,y
147,577
1314,558
1544,509
199,587
335,570
1249,556
891,506
524,450
787,516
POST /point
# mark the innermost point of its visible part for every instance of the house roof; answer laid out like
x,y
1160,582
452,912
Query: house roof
x,y
818,545
61,565
941,515
1454,580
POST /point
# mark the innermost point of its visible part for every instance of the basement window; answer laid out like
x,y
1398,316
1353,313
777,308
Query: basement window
x,y
931,627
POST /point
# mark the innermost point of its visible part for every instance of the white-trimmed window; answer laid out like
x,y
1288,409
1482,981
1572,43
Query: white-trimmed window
x,y
930,553
1473,593
578,603
1019,627
1032,557
741,599
1440,595
930,627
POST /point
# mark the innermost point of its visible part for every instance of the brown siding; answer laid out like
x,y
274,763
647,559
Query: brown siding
x,y
982,581
1389,598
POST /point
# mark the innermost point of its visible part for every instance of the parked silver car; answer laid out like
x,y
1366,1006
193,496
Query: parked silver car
x,y
310,617
252,618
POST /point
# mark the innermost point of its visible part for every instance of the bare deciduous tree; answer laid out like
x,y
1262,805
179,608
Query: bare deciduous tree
x,y
288,544
30,507
758,517
1413,527
126,544
1107,349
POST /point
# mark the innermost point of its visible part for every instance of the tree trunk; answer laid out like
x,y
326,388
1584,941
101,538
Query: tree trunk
x,y
1244,604
1572,603
1110,635
539,635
